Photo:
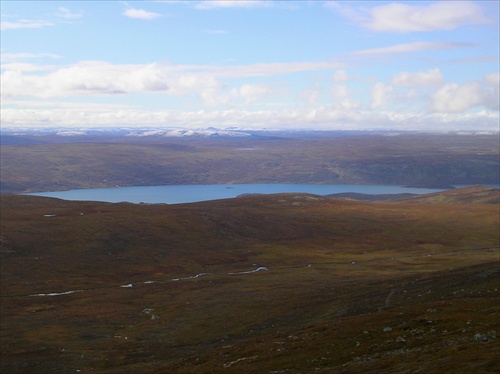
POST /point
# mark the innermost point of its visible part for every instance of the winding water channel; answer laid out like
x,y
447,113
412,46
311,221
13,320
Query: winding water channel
x,y
260,269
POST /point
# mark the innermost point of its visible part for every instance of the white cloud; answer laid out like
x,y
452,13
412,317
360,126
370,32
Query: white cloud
x,y
84,78
429,78
213,93
14,61
410,48
340,92
62,12
455,98
140,14
66,13
254,92
205,86
380,94
21,56
311,96
98,78
214,87
20,67
271,69
216,32
335,117
356,15
214,4
493,79
398,17
189,82
340,76
492,95
445,15
24,24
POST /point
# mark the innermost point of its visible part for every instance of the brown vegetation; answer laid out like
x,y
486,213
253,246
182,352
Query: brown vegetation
x,y
350,287
434,160
462,196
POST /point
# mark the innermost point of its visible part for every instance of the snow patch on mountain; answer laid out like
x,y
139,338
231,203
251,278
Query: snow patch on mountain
x,y
180,133
71,133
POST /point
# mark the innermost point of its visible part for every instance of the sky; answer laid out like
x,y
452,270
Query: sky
x,y
319,65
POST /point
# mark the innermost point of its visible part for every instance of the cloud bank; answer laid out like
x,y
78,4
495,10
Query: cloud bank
x,y
228,102
333,117
404,18
215,4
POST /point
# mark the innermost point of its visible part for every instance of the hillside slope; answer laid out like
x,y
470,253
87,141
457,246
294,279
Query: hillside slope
x,y
460,196
429,160
287,283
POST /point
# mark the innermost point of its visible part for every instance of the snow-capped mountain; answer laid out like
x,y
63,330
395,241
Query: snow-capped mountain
x,y
179,133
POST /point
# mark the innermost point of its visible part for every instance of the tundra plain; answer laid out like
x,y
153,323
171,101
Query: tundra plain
x,y
286,283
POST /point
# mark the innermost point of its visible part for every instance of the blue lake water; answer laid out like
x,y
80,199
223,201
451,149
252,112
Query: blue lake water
x,y
193,193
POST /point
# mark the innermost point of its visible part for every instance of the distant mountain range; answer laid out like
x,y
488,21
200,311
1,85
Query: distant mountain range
x,y
88,158
180,133
210,131
127,131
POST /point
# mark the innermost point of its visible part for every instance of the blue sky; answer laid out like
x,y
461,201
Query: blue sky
x,y
326,65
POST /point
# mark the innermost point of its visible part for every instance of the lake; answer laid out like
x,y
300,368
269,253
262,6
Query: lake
x,y
193,193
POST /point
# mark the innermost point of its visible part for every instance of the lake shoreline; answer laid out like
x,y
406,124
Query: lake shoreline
x,y
178,194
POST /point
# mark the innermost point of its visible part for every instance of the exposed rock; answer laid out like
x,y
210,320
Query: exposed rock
x,y
483,338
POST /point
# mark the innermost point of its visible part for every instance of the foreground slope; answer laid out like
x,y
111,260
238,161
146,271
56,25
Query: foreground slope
x,y
288,283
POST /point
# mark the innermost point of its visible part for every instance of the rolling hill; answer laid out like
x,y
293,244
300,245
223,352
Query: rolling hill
x,y
461,196
55,163
286,283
